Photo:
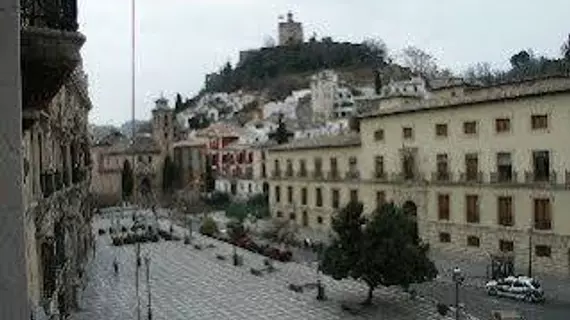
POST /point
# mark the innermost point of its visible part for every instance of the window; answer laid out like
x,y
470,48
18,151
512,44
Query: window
x,y
334,168
305,219
471,167
318,162
354,195
444,237
473,241
263,171
279,214
379,135
441,130
276,168
289,172
290,194
543,251
380,199
318,197
335,198
292,216
542,214
506,246
408,133
470,127
541,165
505,211
539,121
502,125
442,167
304,196
379,167
443,206
408,166
472,208
320,220
277,193
352,164
302,168
249,188
504,167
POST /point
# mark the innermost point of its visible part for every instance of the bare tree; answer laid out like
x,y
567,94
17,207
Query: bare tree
x,y
482,72
565,49
420,62
268,42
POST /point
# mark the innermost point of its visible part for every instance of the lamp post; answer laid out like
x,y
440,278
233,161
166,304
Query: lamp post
x,y
147,262
320,288
530,251
458,279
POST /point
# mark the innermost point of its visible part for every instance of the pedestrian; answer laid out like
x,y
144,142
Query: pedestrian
x,y
116,266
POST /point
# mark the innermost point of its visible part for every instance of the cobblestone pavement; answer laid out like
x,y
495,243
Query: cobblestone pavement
x,y
193,284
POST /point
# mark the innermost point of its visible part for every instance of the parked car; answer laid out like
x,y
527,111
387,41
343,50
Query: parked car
x,y
506,315
521,288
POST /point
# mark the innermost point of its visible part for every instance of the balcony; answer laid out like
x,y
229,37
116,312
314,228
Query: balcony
x,y
352,175
406,177
276,174
302,174
333,176
289,173
471,177
50,49
534,177
441,176
567,179
542,225
379,175
504,177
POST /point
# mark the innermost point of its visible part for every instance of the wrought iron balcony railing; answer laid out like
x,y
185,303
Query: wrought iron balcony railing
x,y
51,14
352,175
379,175
317,174
302,174
473,177
333,175
504,177
540,177
442,176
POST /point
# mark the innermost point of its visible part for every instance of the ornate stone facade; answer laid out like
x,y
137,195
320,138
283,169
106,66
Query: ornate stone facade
x,y
56,178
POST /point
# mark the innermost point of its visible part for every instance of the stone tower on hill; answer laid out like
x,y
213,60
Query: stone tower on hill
x,y
290,32
163,125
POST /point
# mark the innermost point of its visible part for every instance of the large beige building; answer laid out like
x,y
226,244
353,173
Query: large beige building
x,y
484,169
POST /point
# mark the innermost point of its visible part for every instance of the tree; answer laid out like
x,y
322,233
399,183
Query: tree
x,y
268,42
168,174
209,180
565,49
383,251
377,51
178,105
209,227
282,135
127,180
482,72
237,211
420,62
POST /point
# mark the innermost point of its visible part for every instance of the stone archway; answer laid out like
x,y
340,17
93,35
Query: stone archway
x,y
410,209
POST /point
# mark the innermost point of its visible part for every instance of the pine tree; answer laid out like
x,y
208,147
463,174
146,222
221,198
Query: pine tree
x,y
127,180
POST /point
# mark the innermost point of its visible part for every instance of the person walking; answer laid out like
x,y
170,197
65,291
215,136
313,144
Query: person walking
x,y
116,266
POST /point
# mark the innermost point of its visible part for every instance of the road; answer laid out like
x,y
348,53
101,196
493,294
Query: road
x,y
476,300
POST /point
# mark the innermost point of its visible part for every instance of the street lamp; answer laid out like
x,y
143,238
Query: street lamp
x,y
530,251
320,287
147,262
458,279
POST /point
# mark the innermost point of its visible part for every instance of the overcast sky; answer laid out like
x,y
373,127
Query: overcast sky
x,y
179,41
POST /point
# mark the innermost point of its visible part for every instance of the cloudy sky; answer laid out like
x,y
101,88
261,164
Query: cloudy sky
x,y
179,41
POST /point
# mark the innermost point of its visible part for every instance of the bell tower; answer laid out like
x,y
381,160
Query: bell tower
x,y
163,125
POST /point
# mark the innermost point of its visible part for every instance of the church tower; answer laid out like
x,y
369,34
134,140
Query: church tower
x,y
163,125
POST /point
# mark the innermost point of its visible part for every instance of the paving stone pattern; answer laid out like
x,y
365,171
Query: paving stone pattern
x,y
193,284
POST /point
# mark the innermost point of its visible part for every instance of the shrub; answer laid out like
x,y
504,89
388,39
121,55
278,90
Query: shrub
x,y
209,227
442,308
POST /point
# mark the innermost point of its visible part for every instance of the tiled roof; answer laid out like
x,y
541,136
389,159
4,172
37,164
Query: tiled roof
x,y
220,129
351,139
192,142
475,95
142,144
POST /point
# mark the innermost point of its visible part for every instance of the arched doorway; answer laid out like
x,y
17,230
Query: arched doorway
x,y
145,186
410,209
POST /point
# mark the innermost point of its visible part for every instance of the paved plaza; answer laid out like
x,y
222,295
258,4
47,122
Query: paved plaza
x,y
193,284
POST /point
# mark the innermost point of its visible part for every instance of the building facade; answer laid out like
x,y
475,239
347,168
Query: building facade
x,y
483,169
56,197
144,155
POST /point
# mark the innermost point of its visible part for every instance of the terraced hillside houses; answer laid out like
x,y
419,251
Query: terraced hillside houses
x,y
484,170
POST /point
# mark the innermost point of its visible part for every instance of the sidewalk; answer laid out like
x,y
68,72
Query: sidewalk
x,y
475,272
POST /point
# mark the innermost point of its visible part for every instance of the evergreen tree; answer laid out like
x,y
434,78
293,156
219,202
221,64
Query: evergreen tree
x,y
282,135
209,181
168,175
384,251
127,180
178,104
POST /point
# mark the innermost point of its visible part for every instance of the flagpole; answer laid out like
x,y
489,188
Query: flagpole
x,y
133,128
